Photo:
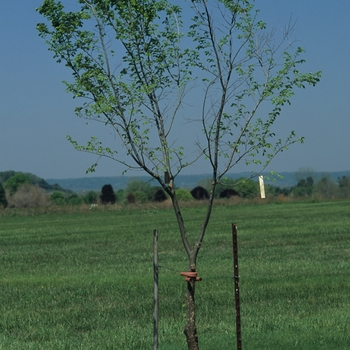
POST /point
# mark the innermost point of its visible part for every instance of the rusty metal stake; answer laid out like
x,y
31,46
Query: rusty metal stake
x,y
236,280
155,268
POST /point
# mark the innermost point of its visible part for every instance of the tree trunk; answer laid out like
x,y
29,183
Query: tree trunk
x,y
190,328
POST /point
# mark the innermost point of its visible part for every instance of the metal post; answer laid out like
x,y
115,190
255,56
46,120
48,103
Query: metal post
x,y
155,268
236,280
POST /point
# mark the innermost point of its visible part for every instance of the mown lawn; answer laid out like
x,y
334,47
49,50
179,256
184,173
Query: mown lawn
x,y
84,280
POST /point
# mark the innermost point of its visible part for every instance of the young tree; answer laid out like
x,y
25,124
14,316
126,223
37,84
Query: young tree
x,y
304,187
344,186
3,200
140,64
326,187
159,195
107,195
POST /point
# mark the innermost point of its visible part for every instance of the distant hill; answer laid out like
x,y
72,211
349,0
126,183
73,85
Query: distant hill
x,y
80,185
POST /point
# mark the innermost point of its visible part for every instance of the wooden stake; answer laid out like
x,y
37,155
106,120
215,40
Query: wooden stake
x,y
236,280
155,268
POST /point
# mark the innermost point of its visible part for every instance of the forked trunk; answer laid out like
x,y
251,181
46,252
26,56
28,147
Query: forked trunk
x,y
190,328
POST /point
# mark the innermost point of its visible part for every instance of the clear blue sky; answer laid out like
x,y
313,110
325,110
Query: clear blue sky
x,y
36,113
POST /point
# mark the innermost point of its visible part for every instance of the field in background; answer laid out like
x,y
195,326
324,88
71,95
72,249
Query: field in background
x,y
84,280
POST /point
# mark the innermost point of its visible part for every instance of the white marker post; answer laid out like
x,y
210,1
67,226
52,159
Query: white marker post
x,y
262,187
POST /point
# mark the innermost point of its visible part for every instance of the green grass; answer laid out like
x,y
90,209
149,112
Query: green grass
x,y
84,280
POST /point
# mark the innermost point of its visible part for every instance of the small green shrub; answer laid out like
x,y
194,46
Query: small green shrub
x,y
91,198
57,197
140,186
74,199
183,195
140,196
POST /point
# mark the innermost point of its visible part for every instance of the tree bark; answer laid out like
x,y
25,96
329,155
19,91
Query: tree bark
x,y
190,327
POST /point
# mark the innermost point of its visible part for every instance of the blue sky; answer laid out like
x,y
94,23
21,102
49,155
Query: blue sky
x,y
36,113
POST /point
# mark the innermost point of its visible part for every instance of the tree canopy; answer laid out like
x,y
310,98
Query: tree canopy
x,y
138,65
15,181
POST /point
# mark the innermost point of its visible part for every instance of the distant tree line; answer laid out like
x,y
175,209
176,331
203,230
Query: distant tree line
x,y
323,188
19,189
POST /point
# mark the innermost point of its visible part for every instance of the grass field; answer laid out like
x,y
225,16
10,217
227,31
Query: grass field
x,y
84,280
